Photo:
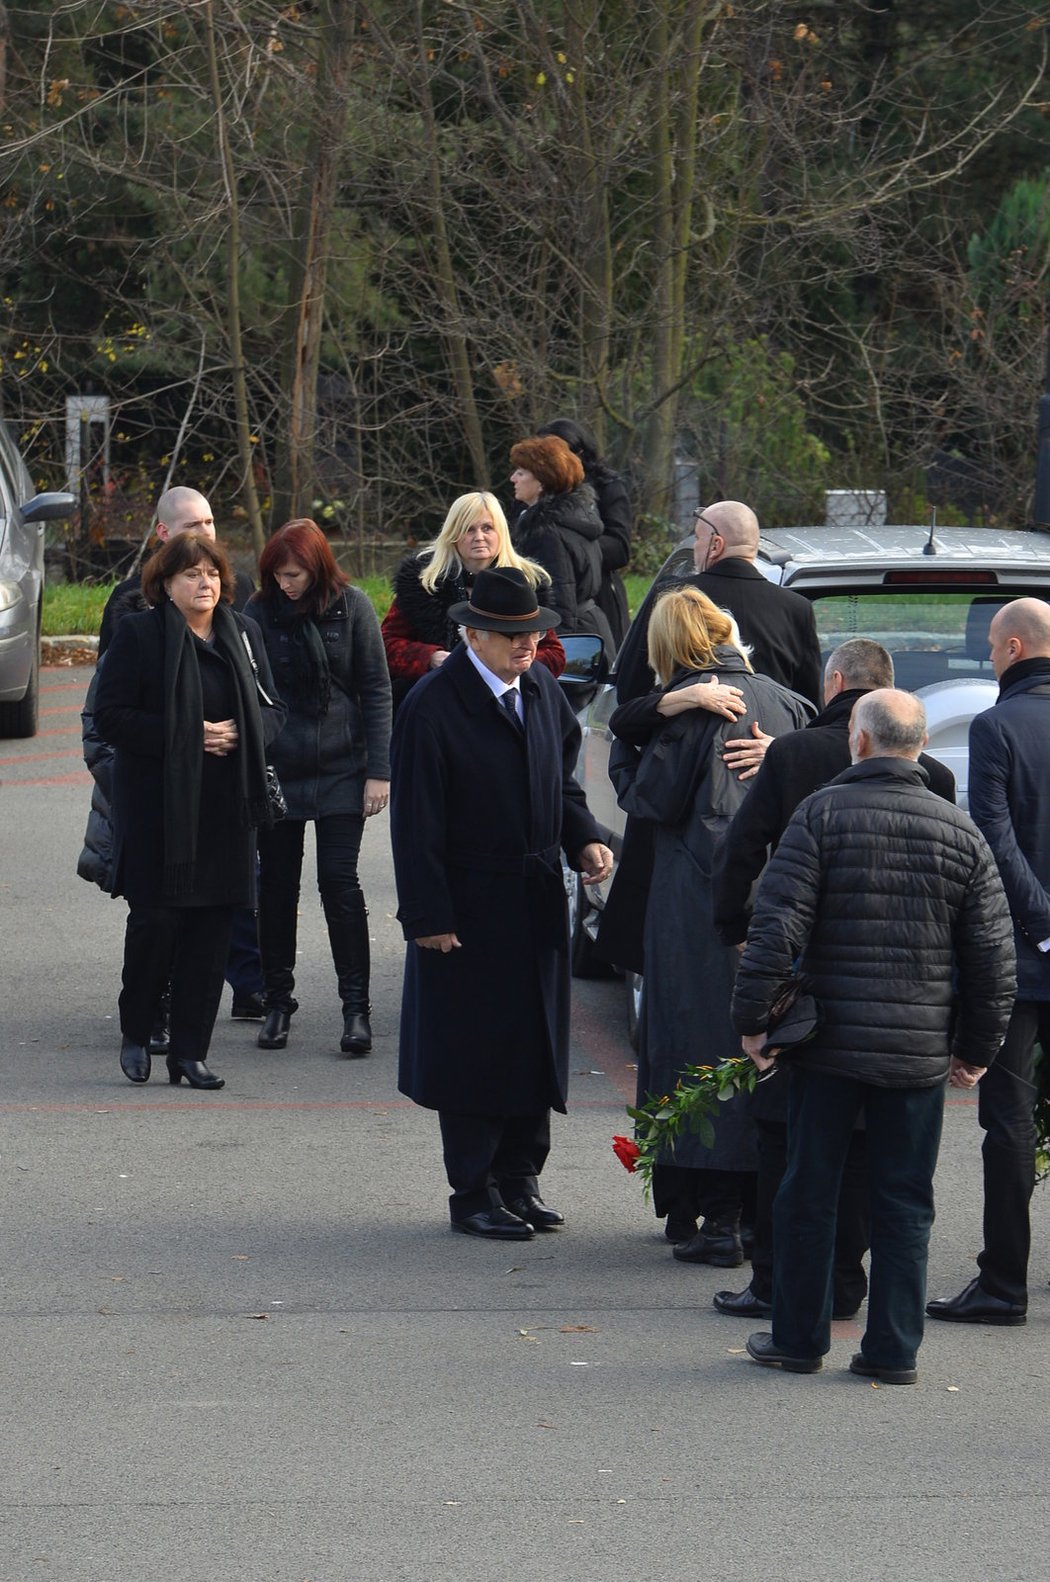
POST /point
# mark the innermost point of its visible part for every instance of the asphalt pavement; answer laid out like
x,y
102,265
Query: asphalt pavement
x,y
237,1339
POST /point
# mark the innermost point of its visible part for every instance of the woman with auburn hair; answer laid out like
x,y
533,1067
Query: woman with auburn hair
x,y
614,508
177,699
333,762
417,633
671,774
560,527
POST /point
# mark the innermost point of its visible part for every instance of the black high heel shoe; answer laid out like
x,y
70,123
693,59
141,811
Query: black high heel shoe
x,y
195,1072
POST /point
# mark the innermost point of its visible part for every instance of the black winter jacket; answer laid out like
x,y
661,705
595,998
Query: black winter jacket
x,y
322,760
561,532
889,895
794,767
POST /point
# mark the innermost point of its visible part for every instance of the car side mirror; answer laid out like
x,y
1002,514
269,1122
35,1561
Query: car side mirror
x,y
586,668
49,507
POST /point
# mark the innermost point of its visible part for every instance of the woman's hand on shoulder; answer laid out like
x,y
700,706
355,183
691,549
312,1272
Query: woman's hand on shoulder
x,y
715,696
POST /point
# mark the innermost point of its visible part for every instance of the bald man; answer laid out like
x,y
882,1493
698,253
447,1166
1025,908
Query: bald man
x,y
889,898
1010,802
779,625
179,510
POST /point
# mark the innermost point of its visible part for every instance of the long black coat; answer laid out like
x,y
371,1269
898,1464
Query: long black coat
x,y
129,714
779,626
478,813
682,786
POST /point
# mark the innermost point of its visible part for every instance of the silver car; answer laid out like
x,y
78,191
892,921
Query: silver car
x,y
22,518
927,597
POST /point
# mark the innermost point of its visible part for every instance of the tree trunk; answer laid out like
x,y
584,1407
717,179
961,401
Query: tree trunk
x,y
232,326
295,482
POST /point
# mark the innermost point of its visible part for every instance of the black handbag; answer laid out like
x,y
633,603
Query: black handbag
x,y
274,795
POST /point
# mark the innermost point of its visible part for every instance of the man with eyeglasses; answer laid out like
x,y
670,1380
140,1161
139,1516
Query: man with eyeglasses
x,y
778,625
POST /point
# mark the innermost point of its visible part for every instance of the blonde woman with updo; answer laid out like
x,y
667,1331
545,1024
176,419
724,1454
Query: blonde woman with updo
x,y
417,633
671,773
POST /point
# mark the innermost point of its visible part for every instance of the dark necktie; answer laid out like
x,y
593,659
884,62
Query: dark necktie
x,y
508,701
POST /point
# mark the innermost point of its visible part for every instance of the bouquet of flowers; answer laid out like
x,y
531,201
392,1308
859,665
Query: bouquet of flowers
x,y
659,1122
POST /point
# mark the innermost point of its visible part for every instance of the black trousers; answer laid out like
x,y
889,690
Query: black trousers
x,y
904,1133
490,1158
338,838
186,947
725,1197
1005,1098
849,1281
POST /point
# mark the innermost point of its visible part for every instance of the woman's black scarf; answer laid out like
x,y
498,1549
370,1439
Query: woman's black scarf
x,y
311,677
184,738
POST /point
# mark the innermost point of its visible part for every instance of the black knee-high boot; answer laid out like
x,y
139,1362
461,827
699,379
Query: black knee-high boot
x,y
347,919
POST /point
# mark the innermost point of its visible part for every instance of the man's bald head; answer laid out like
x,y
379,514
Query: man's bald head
x,y
887,723
727,529
182,510
1020,630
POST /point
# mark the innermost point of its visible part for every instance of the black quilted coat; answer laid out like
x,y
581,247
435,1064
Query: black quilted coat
x,y
889,895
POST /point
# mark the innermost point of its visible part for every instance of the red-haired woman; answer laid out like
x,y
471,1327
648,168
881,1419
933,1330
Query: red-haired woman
x,y
559,527
332,759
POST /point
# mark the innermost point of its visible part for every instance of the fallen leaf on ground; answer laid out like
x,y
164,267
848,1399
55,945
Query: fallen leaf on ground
x,y
577,1329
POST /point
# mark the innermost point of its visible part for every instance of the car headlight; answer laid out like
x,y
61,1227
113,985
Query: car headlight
x,y
10,595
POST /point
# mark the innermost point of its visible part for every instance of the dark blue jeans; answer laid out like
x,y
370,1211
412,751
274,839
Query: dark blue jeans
x,y
904,1133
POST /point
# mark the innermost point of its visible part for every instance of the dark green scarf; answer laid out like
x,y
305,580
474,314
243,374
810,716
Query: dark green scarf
x,y
184,736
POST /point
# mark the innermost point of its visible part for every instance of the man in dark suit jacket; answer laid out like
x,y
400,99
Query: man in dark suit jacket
x,y
794,767
778,625
483,801
1010,804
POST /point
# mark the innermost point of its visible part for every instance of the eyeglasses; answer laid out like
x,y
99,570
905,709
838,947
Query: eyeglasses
x,y
698,516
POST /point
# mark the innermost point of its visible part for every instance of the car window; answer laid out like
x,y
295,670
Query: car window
x,y
931,636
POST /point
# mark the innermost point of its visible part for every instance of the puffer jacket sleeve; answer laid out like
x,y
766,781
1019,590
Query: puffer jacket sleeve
x,y
785,909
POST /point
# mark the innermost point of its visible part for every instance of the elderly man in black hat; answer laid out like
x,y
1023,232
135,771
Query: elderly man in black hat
x,y
483,801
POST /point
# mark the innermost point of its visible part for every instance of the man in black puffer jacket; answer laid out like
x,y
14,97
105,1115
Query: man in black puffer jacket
x,y
887,895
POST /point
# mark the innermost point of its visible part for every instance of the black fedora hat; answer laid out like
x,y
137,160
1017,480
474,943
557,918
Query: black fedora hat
x,y
503,600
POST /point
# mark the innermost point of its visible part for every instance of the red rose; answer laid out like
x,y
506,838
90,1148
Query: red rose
x,y
627,1152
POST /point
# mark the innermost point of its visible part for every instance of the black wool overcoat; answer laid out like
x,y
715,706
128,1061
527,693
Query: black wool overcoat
x,y
129,715
479,815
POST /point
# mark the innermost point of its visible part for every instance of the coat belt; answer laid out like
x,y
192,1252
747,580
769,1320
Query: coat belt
x,y
522,864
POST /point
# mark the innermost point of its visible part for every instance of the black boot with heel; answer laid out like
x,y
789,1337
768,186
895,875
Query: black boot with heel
x,y
347,919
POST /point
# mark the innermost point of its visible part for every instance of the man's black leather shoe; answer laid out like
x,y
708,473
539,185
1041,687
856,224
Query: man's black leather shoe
x,y
974,1306
874,1370
715,1244
760,1348
498,1223
274,1034
134,1061
534,1211
742,1304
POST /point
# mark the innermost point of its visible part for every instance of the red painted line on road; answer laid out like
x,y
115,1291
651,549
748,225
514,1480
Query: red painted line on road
x,y
218,1105
81,779
72,709
29,758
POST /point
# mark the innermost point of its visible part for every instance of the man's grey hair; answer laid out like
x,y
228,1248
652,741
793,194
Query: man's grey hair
x,y
861,662
895,722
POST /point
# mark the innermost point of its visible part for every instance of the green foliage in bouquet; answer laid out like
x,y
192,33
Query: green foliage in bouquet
x,y
692,1107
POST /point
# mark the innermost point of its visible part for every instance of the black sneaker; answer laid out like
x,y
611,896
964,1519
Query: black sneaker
x,y
248,1008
